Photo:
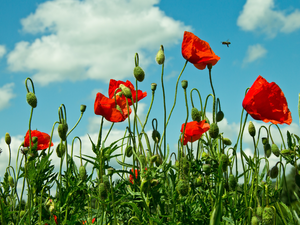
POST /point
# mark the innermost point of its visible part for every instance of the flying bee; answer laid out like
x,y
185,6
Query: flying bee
x,y
226,43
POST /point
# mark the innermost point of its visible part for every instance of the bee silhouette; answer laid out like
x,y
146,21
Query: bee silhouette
x,y
226,43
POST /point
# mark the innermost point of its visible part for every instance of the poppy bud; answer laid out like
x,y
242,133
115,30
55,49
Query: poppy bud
x,y
60,150
232,181
184,84
62,131
128,151
268,151
198,181
160,56
224,161
11,181
297,178
254,220
154,158
213,130
153,86
31,99
196,116
34,139
206,168
7,139
219,116
82,173
158,162
274,172
177,163
251,129
268,216
155,136
103,191
275,150
126,91
285,152
264,140
185,165
182,187
110,171
143,160
259,211
82,108
22,213
227,141
139,73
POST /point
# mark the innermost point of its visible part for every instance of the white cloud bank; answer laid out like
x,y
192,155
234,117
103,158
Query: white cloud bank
x,y
2,51
6,94
92,39
254,53
258,15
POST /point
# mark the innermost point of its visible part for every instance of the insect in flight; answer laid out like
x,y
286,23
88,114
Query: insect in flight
x,y
226,43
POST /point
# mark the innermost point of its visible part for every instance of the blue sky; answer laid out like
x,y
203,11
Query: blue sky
x,y
72,48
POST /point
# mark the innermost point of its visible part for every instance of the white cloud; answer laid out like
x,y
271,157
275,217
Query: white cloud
x,y
6,94
2,51
261,16
254,52
92,39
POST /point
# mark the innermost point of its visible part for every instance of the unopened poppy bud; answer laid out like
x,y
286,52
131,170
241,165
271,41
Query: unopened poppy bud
x,y
268,216
264,140
153,86
103,191
60,150
126,91
155,136
82,108
213,130
285,152
34,139
268,151
297,178
251,129
139,73
185,165
219,116
7,139
154,158
259,211
232,181
254,220
227,141
275,150
110,171
31,99
206,168
224,161
160,56
11,181
119,109
128,151
62,131
82,173
177,163
196,116
274,172
182,187
184,84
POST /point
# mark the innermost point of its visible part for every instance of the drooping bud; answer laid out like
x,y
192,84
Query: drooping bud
x,y
128,151
251,129
62,131
60,150
7,139
264,140
213,130
160,56
196,116
153,86
184,84
155,135
11,181
268,151
274,172
227,141
206,168
232,181
31,99
154,158
82,108
275,150
103,191
219,116
285,152
268,216
126,91
182,187
82,173
139,73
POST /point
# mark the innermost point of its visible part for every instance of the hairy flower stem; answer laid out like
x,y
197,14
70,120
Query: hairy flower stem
x,y
75,124
150,107
164,101
214,99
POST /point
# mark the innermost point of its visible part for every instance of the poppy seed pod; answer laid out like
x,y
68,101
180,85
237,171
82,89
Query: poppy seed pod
x,y
11,181
182,187
62,131
103,191
274,172
184,84
82,108
268,151
275,150
213,130
139,73
251,129
128,151
254,220
153,86
60,150
160,56
219,116
155,136
7,139
82,173
196,116
232,181
126,91
268,216
31,99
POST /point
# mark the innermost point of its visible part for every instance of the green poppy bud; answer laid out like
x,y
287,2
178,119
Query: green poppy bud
x,y
213,130
103,191
82,108
62,131
275,150
251,129
126,91
206,168
128,151
154,158
139,73
285,152
297,178
259,211
268,151
155,136
254,220
82,173
219,116
110,171
268,216
227,141
182,187
196,116
34,139
198,181
274,172
11,181
184,84
22,213
60,150
31,99
224,161
264,140
7,139
177,163
153,86
185,165
143,160
160,56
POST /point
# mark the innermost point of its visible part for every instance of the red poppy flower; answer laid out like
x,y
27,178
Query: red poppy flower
x,y
194,131
136,175
55,219
107,107
197,51
43,139
265,101
93,221
113,85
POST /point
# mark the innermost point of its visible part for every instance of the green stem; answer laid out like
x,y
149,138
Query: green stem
x,y
214,99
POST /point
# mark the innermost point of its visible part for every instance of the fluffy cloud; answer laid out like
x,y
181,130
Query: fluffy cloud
x,y
2,51
6,94
254,52
261,16
92,39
